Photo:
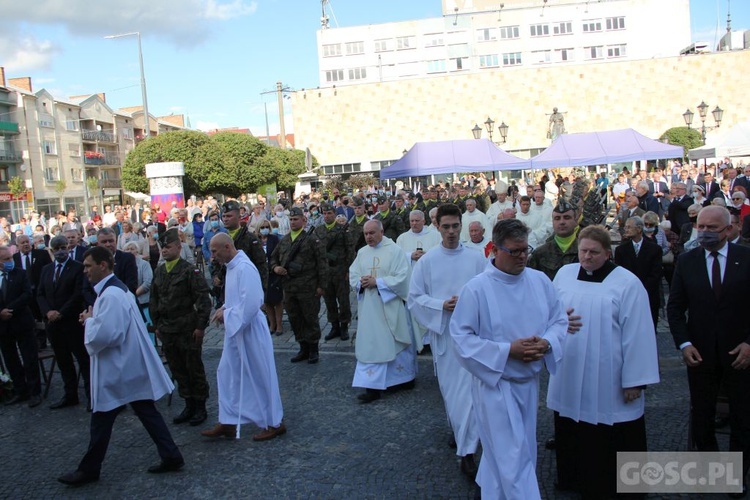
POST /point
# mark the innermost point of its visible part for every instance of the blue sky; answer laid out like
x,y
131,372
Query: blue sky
x,y
209,59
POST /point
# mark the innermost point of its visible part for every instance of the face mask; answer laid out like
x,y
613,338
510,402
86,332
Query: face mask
x,y
264,231
61,256
279,214
649,229
708,239
346,202
8,266
214,224
40,246
693,219
314,212
92,238
275,230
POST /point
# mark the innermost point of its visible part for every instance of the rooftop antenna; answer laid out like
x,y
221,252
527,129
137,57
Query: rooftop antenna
x,y
543,6
323,16
729,25
500,11
455,20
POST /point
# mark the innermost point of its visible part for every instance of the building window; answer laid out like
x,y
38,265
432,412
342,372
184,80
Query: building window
x,y
331,50
615,23
489,61
540,30
354,48
46,121
49,147
3,175
382,45
564,28
541,56
357,74
486,34
335,75
594,52
437,66
564,54
74,150
127,133
617,50
76,174
458,64
342,168
512,59
50,174
592,26
71,124
434,40
509,32
405,42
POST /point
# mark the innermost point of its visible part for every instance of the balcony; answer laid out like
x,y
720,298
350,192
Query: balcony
x,y
93,161
8,98
97,136
10,157
8,128
110,183
112,159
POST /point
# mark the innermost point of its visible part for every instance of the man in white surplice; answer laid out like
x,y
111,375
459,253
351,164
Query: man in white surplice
x,y
472,214
507,323
415,243
246,378
385,353
436,281
502,203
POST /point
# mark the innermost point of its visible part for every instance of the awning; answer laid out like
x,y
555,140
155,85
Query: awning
x,y
138,196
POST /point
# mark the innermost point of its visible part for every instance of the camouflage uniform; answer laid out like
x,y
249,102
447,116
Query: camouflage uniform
x,y
549,258
246,241
355,235
336,296
393,226
403,213
180,305
306,272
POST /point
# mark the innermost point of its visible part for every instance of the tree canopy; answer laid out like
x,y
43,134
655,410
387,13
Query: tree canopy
x,y
230,163
688,138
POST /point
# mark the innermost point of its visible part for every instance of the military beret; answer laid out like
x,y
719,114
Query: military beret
x,y
296,212
231,205
325,207
563,206
358,201
169,236
381,198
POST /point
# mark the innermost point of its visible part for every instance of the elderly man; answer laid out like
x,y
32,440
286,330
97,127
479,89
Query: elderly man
x,y
126,269
385,353
646,200
503,339
472,214
432,297
677,210
419,239
502,203
477,238
246,378
631,209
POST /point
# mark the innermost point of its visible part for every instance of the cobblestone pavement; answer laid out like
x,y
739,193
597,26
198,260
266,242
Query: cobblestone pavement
x,y
335,448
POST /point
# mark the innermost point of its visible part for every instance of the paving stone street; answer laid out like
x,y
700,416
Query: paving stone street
x,y
335,448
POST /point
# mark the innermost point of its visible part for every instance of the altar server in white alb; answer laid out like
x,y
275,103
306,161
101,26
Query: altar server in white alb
x,y
386,357
436,281
508,323
597,391
125,368
246,378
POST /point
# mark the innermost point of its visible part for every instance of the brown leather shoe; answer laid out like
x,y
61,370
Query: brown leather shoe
x,y
221,430
270,433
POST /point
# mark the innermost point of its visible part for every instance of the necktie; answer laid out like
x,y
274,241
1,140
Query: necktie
x,y
716,275
27,259
58,270
708,189
637,249
73,254
4,286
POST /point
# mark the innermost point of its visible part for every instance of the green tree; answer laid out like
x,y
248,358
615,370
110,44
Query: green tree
x,y
282,166
362,181
17,187
241,153
688,138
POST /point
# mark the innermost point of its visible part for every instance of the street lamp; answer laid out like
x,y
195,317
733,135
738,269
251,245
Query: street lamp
x,y
503,128
717,113
476,131
146,128
488,125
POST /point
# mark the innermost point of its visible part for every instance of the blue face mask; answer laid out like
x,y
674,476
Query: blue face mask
x,y
40,246
214,224
264,231
275,230
8,266
92,238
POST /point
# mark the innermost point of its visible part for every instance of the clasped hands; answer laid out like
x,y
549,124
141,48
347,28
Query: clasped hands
x,y
368,281
529,349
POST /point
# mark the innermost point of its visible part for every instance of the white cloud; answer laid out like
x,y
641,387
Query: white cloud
x,y
225,11
20,53
206,126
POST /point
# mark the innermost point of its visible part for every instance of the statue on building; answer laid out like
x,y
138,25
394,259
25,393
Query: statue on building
x,y
556,125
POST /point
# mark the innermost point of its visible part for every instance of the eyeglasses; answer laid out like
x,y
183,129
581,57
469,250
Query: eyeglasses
x,y
517,252
736,199
646,224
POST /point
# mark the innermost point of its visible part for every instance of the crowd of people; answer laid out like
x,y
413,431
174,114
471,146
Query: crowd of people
x,y
496,280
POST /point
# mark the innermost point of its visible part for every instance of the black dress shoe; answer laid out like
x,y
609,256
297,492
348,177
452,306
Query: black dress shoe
x,y
469,466
369,396
62,403
16,399
452,443
406,386
35,401
77,478
164,466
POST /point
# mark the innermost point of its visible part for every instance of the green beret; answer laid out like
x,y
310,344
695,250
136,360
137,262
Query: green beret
x,y
296,212
169,236
564,206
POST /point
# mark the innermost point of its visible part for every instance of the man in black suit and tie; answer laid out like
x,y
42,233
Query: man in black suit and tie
x,y
75,249
677,210
711,284
60,300
17,332
126,269
712,188
642,257
32,261
743,178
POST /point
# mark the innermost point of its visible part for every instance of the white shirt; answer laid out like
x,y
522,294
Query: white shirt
x,y
722,262
637,246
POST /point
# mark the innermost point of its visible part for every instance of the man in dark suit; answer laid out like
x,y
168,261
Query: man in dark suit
x,y
743,179
711,284
60,301
32,261
712,188
75,249
126,269
17,331
642,257
646,200
630,209
136,214
677,211
117,226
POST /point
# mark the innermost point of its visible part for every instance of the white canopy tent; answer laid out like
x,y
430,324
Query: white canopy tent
x,y
733,143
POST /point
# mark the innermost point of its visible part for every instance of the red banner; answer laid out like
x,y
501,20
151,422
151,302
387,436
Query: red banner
x,y
6,197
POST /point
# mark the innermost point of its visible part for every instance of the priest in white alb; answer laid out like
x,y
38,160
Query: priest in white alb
x,y
246,378
477,238
472,214
502,203
433,294
508,323
386,356
597,391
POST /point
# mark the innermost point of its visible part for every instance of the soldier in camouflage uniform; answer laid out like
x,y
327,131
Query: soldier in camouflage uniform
x,y
562,247
336,290
300,259
244,240
393,226
180,307
355,230
402,211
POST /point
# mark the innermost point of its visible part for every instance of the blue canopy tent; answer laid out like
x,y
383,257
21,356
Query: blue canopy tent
x,y
601,148
447,157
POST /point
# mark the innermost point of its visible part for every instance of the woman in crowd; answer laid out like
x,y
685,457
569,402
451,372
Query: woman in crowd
x,y
689,231
699,195
127,235
597,390
281,219
651,230
274,294
256,218
145,275
154,249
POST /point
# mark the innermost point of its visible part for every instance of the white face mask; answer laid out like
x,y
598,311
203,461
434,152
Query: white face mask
x,y
279,213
